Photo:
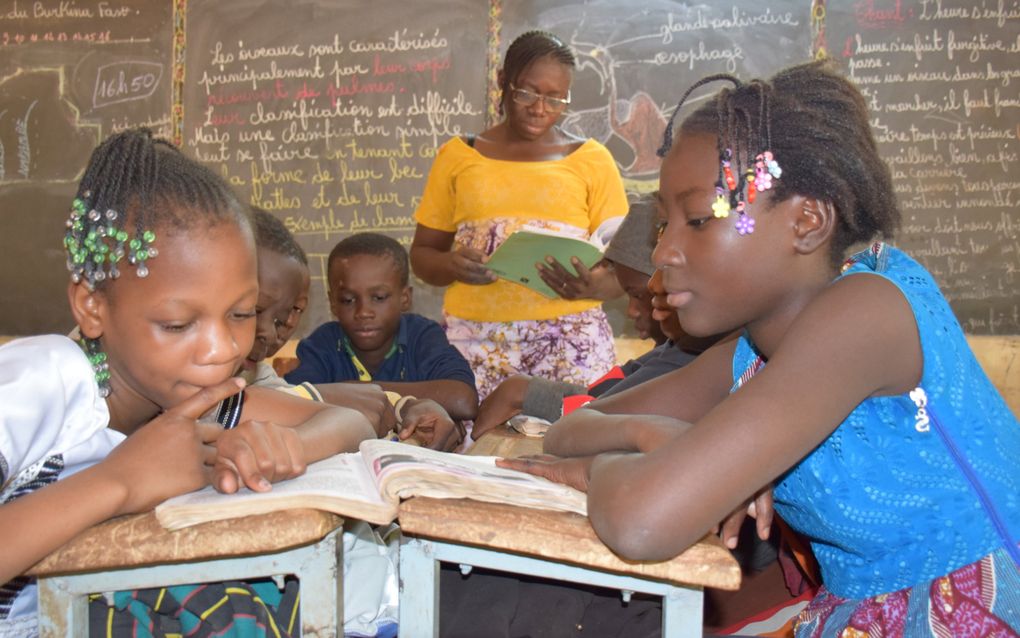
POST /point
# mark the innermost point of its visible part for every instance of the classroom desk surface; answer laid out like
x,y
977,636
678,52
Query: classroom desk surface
x,y
139,539
559,536
135,552
555,545
503,441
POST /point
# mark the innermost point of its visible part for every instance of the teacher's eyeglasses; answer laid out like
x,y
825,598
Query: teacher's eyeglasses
x,y
527,98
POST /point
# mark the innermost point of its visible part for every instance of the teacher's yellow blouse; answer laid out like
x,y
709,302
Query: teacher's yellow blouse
x,y
483,200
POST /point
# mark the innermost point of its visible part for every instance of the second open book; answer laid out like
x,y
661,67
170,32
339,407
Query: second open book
x,y
369,484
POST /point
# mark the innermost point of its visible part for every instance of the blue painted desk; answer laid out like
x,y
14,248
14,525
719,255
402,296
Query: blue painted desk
x,y
134,552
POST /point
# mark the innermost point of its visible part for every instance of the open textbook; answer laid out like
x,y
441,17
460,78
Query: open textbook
x,y
369,484
515,259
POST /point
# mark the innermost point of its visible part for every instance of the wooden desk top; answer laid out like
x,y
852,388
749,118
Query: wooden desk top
x,y
503,441
138,539
559,536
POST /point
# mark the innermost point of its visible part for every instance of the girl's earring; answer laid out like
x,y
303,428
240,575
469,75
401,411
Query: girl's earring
x,y
100,366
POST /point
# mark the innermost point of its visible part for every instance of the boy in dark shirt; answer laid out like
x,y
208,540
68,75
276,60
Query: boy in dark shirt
x,y
375,339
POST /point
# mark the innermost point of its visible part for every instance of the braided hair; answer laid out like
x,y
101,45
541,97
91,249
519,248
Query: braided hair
x,y
375,244
815,123
526,49
135,185
271,233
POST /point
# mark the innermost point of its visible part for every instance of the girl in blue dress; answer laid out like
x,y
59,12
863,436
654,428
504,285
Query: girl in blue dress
x,y
852,388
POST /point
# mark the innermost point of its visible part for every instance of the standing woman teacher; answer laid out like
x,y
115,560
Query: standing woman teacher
x,y
523,171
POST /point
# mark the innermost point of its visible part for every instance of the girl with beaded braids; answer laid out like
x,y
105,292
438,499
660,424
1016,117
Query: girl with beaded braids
x,y
163,291
852,387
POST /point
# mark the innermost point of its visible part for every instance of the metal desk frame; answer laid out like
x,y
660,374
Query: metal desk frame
x,y
419,584
63,599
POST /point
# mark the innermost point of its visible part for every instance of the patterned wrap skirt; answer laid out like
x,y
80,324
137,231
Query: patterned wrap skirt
x,y
576,348
981,599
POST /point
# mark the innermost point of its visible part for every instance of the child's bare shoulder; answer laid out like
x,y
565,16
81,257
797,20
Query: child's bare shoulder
x,y
865,326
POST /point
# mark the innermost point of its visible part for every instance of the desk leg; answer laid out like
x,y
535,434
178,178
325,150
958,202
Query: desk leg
x,y
419,589
61,612
682,611
319,571
63,600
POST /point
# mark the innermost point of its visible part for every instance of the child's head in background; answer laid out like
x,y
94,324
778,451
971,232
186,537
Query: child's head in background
x,y
163,274
368,275
630,252
283,286
790,161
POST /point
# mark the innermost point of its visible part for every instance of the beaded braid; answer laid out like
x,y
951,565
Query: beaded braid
x,y
734,131
133,186
815,122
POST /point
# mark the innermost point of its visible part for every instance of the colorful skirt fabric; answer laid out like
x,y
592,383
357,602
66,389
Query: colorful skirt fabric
x,y
977,600
575,348
256,609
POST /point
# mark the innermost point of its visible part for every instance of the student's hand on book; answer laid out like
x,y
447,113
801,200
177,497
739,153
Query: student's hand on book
x,y
760,508
170,455
431,425
502,404
256,454
468,265
367,398
573,471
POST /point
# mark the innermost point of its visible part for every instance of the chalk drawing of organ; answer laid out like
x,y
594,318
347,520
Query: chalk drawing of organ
x,y
637,120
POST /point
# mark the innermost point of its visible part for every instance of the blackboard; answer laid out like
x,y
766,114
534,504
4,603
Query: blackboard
x,y
70,73
943,82
328,114
635,59
942,78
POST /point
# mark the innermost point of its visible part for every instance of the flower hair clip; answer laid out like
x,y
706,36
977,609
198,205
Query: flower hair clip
x,y
745,223
765,169
721,205
95,245
756,178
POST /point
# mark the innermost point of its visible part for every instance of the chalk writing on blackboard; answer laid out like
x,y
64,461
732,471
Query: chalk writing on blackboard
x,y
633,64
332,130
71,73
943,83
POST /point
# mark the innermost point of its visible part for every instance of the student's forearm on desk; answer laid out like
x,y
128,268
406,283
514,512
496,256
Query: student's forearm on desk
x,y
459,399
33,526
585,432
333,431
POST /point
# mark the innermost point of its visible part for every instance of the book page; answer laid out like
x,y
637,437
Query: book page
x,y
403,471
340,484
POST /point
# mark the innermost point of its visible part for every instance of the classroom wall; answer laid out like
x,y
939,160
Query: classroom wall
x,y
328,112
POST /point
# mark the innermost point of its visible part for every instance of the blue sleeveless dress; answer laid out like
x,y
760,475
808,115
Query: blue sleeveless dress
x,y
912,487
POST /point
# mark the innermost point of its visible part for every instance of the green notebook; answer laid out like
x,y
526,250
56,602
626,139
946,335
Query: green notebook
x,y
514,259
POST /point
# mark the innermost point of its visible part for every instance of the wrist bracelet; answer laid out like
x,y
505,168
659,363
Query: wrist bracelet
x,y
399,405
